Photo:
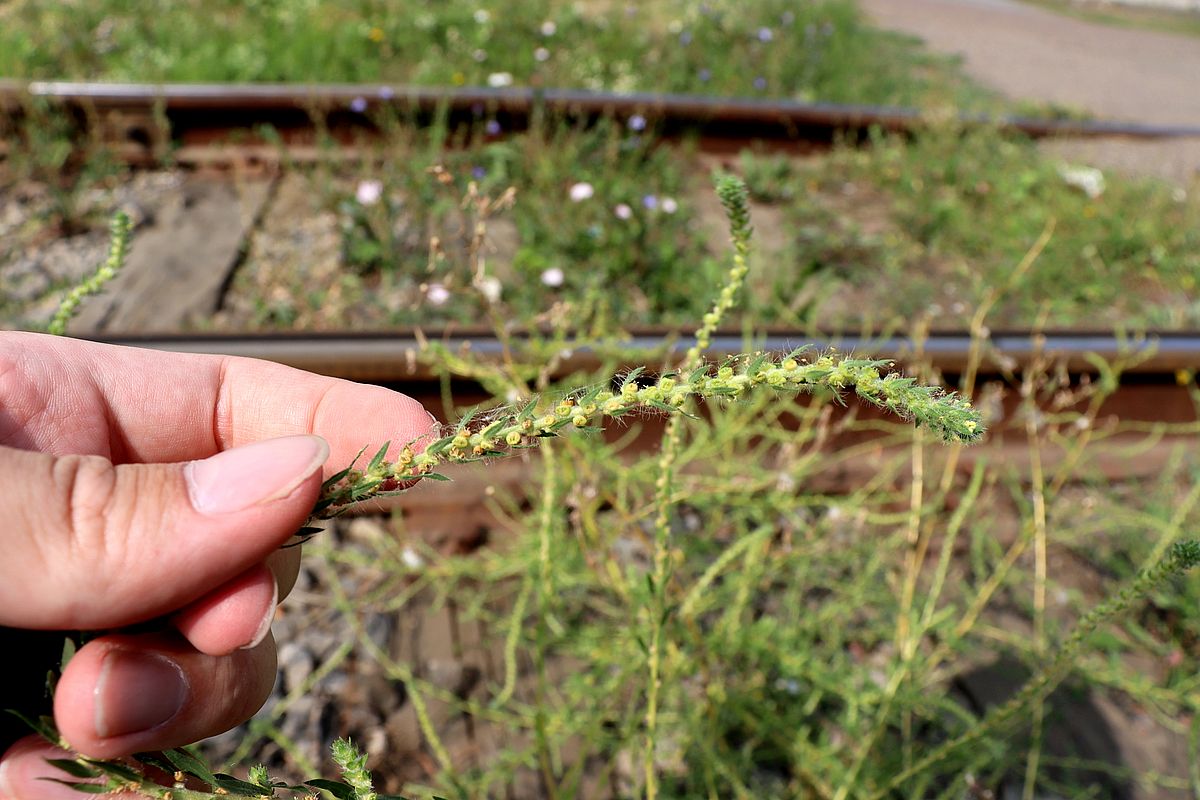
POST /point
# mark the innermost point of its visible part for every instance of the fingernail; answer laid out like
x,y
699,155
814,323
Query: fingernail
x,y
137,692
264,627
253,474
28,775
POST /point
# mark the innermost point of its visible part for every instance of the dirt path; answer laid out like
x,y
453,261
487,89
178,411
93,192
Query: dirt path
x,y
1028,52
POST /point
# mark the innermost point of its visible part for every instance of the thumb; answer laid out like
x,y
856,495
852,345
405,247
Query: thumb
x,y
96,545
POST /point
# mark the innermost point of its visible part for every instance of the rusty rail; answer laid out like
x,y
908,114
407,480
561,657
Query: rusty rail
x,y
393,356
197,115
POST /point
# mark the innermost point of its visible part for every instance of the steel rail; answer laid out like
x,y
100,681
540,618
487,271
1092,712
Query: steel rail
x,y
191,109
394,356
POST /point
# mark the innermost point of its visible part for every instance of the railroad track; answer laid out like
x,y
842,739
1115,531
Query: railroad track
x,y
1151,389
144,124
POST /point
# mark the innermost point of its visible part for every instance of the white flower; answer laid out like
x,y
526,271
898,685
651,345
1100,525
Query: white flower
x,y
411,558
482,16
480,56
1088,180
541,54
490,287
498,80
368,192
553,277
581,191
669,205
549,28
437,294
623,211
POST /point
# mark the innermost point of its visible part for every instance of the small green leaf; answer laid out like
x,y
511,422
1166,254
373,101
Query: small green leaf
x,y
73,768
341,791
377,459
236,786
632,376
42,726
89,788
184,761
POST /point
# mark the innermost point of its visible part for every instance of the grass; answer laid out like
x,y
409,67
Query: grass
x,y
867,237
1163,20
815,638
770,48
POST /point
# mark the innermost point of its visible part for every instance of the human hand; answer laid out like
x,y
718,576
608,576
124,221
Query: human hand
x,y
144,486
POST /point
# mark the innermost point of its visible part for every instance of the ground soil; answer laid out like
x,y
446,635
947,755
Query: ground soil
x,y
1030,53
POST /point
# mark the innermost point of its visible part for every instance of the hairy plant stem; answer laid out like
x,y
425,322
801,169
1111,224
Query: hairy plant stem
x,y
735,199
505,432
118,249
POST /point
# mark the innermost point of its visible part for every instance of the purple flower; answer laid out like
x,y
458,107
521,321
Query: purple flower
x,y
685,38
478,173
492,128
358,105
650,202
705,75
637,123
765,34
386,93
760,83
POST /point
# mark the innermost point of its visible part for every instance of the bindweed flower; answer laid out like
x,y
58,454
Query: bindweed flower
x,y
492,127
437,294
637,123
541,54
704,75
1088,180
411,558
386,93
549,28
553,277
499,80
669,205
482,16
760,83
650,202
581,191
685,38
479,56
358,105
623,211
765,34
478,173
368,192
490,287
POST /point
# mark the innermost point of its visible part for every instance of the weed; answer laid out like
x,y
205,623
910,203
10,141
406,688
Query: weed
x,y
800,645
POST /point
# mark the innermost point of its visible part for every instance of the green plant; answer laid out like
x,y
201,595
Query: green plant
x,y
796,647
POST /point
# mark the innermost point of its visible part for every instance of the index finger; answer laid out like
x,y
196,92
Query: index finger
x,y
165,407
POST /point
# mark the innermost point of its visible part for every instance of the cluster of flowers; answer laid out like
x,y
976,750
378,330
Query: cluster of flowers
x,y
502,433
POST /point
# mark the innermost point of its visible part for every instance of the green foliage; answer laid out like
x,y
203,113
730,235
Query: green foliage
x,y
927,226
817,50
